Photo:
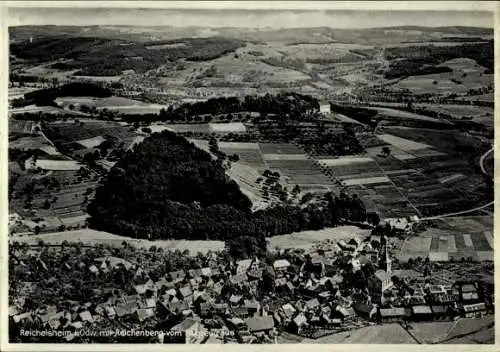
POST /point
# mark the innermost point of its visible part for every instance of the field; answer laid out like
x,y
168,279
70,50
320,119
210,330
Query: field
x,y
404,115
401,143
21,127
64,134
92,237
376,334
249,153
479,114
234,70
62,189
47,110
54,165
186,127
467,74
452,238
119,104
307,239
488,97
24,143
234,127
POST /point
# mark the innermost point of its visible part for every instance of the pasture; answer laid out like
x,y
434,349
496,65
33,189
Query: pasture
x,y
92,238
375,334
307,239
400,114
481,114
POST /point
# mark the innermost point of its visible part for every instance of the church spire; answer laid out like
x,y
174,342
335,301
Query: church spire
x,y
384,260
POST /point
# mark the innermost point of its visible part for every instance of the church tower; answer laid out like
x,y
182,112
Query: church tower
x,y
384,260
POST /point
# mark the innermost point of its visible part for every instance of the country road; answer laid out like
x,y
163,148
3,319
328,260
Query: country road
x,y
481,160
481,164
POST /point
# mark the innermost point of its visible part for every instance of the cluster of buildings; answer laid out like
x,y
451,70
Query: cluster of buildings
x,y
347,286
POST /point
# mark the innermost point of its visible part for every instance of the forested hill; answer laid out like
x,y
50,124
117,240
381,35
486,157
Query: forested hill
x,y
165,180
167,188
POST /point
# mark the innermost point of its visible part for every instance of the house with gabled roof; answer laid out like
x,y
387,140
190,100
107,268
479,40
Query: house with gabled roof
x,y
178,307
177,276
206,272
23,317
127,309
85,316
220,308
238,279
287,311
130,298
312,303
241,312
185,293
110,312
260,324
299,322
253,306
143,314
13,310
235,300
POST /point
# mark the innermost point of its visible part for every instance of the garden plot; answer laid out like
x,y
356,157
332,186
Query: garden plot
x,y
345,161
367,181
299,171
285,157
280,148
248,153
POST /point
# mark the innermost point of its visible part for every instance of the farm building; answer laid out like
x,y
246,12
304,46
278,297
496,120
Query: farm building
x,y
390,315
474,310
324,108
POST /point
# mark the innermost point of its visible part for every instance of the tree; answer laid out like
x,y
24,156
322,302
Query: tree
x,y
386,151
71,107
234,158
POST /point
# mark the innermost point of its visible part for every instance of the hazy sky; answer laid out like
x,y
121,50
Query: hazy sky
x,y
245,18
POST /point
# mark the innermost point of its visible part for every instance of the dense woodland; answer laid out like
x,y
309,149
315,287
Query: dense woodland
x,y
110,57
167,188
46,96
419,60
291,104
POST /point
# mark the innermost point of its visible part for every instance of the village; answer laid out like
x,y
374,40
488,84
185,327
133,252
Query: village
x,y
91,294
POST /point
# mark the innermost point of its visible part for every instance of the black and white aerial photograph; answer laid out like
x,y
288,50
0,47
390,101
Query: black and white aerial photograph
x,y
249,176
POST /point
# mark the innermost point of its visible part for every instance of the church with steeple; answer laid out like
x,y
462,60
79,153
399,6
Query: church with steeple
x,y
380,281
384,260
